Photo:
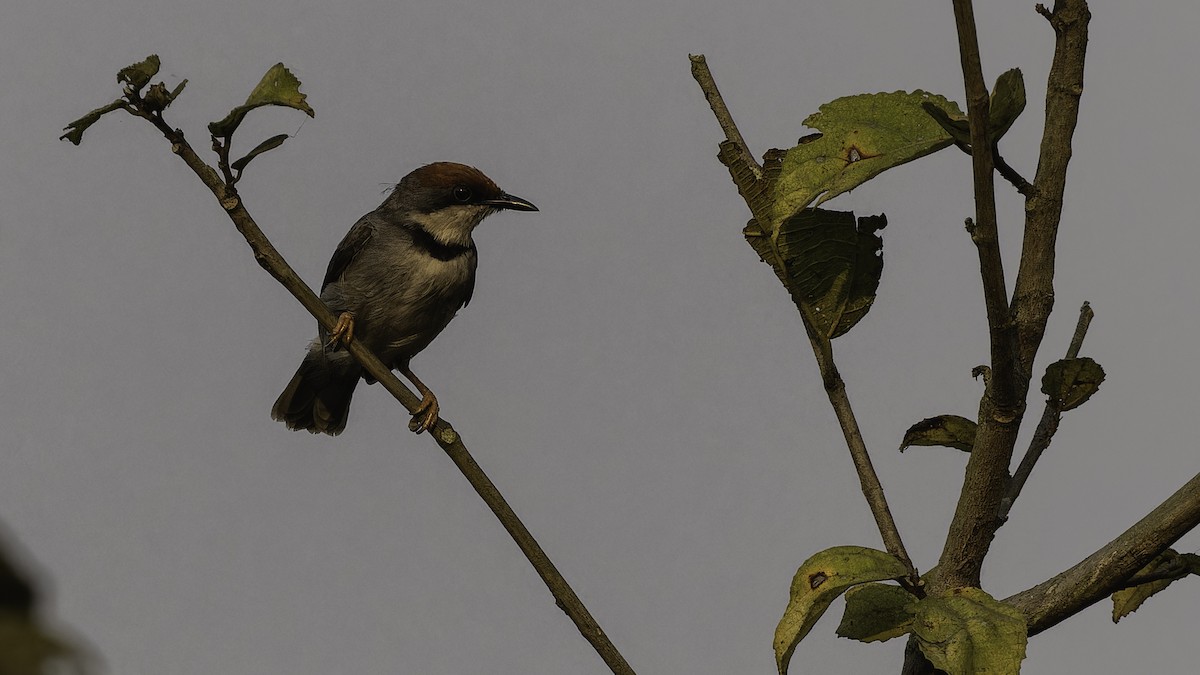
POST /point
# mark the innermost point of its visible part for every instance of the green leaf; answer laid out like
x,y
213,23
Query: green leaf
x,y
278,87
830,266
818,582
952,431
968,632
269,144
75,129
1071,382
876,612
1127,600
138,75
861,136
1007,103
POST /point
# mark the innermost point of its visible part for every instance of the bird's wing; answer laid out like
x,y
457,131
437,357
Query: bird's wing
x,y
354,242
473,261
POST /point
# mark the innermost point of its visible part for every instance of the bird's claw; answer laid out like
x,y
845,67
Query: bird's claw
x,y
343,331
425,416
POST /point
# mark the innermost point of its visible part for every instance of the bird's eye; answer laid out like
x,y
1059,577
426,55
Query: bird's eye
x,y
462,194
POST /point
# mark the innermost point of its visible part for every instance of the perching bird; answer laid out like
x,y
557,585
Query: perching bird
x,y
398,277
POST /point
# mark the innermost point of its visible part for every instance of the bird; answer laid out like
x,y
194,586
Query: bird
x,y
395,281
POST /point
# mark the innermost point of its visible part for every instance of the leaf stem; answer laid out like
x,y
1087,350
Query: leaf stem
x,y
1011,175
708,85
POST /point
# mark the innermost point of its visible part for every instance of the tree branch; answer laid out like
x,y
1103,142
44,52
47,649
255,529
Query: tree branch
x,y
755,184
443,433
868,480
1000,410
1033,298
1048,425
1107,570
704,78
1011,175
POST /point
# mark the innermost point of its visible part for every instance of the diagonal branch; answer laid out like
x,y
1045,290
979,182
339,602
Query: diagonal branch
x,y
1106,571
868,480
270,259
1011,175
1048,425
704,78
755,184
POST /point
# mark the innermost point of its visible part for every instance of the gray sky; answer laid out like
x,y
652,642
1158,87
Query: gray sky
x,y
631,376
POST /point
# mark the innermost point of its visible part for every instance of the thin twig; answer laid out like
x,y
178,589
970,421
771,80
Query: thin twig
x,y
872,489
1003,168
735,156
983,164
1048,425
1011,175
443,433
704,78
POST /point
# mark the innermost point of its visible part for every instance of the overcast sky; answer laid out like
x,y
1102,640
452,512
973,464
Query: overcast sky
x,y
633,379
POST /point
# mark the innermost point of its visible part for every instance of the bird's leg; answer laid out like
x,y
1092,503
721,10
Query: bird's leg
x,y
343,331
426,414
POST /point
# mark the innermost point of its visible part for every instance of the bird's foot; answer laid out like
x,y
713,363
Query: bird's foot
x,y
343,331
426,414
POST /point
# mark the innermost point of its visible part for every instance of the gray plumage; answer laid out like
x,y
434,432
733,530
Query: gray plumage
x,y
397,279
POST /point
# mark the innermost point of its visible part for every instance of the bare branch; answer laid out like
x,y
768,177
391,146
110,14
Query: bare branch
x,y
1033,298
872,489
1011,175
704,78
1108,569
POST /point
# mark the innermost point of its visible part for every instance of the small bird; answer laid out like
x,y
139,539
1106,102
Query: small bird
x,y
395,281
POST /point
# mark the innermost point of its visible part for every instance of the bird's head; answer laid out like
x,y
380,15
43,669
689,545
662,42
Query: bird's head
x,y
448,200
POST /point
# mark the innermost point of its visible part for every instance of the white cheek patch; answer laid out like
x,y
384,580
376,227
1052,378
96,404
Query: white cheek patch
x,y
453,225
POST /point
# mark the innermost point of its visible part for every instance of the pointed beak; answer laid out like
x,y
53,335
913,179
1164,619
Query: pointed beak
x,y
507,201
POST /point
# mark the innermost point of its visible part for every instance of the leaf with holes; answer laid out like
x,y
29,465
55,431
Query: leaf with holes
x,y
952,431
1071,382
861,137
818,582
278,87
829,265
968,632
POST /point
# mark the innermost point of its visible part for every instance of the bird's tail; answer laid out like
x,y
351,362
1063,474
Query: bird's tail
x,y
318,397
